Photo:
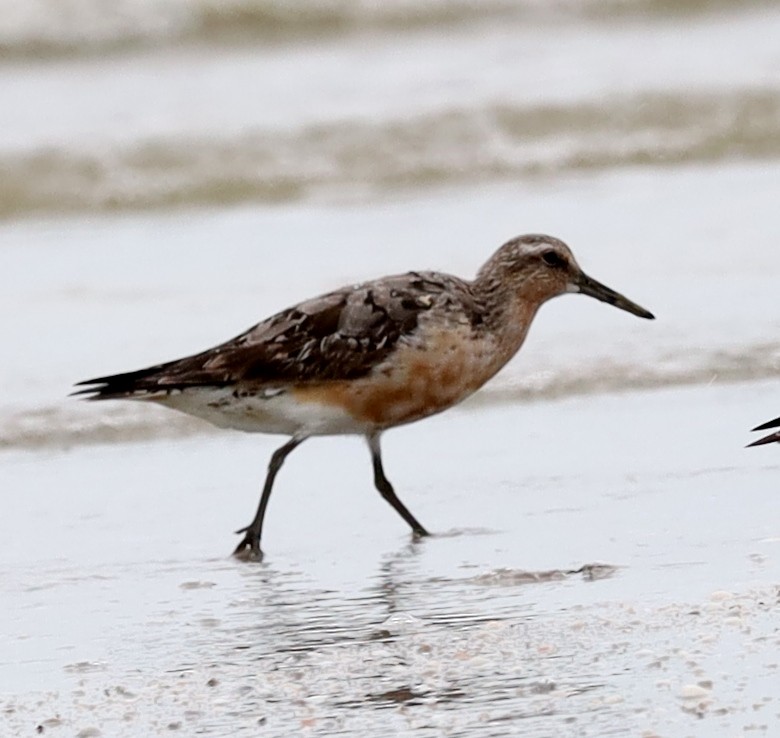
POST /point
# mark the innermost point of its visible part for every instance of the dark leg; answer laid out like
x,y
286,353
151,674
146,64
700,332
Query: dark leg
x,y
249,547
386,489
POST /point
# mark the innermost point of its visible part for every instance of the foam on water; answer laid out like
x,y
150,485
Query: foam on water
x,y
174,127
57,28
364,158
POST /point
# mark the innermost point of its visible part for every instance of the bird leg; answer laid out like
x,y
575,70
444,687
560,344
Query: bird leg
x,y
249,548
386,489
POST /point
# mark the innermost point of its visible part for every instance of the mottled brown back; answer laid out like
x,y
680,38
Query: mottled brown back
x,y
339,335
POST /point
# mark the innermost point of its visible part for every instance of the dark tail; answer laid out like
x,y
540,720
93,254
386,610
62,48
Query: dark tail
x,y
118,386
772,437
180,374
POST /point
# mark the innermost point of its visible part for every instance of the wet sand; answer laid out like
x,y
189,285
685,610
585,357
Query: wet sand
x,y
602,565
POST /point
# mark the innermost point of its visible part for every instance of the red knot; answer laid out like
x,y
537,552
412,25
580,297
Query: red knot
x,y
366,358
772,437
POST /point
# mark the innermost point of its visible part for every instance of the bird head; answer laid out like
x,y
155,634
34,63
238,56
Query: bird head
x,y
540,267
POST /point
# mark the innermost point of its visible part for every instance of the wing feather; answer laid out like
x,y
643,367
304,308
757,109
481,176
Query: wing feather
x,y
339,335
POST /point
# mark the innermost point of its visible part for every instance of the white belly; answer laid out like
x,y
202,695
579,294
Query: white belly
x,y
274,412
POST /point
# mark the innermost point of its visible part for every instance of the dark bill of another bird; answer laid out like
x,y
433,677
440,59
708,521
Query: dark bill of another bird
x,y
772,438
593,288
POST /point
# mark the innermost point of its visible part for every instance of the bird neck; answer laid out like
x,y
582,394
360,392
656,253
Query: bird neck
x,y
508,312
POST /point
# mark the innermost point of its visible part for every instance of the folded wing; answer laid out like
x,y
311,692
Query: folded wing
x,y
340,335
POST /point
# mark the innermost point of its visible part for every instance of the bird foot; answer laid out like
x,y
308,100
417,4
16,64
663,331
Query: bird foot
x,y
249,548
419,532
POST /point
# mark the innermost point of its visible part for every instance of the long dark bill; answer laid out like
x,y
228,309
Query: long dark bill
x,y
773,438
771,424
589,286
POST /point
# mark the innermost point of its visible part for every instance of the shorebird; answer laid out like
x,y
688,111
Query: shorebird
x,y
365,358
772,437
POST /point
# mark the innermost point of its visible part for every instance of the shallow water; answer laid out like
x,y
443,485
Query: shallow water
x,y
125,613
605,558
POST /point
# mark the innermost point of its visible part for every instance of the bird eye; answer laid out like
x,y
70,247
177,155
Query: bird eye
x,y
553,259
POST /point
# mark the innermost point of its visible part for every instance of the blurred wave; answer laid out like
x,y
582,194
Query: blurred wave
x,y
364,157
49,29
73,423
